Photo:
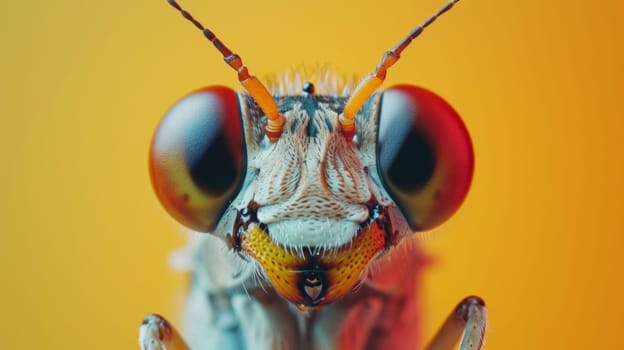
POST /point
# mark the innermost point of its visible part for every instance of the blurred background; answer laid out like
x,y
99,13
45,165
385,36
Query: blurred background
x,y
85,244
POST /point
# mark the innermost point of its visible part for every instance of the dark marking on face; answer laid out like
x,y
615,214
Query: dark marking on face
x,y
313,283
244,218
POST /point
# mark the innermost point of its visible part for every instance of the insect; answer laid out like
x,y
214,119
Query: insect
x,y
310,196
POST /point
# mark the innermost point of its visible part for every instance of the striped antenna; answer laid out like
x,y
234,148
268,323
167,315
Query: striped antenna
x,y
372,81
253,86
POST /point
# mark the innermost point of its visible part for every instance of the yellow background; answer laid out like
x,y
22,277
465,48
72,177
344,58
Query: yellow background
x,y
85,244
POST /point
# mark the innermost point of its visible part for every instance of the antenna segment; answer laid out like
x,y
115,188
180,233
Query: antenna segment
x,y
372,81
253,86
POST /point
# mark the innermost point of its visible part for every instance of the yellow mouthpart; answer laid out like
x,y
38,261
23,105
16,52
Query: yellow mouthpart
x,y
309,279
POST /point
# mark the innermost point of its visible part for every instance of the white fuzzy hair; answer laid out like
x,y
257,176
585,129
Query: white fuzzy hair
x,y
325,81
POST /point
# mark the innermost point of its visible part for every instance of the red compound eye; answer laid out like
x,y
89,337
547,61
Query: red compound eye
x,y
197,157
424,155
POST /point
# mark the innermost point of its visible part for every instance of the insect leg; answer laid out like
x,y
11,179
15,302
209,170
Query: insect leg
x,y
467,321
156,333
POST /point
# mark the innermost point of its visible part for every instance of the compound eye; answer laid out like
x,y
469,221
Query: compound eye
x,y
424,155
197,157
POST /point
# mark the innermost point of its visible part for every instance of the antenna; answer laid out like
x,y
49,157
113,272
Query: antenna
x,y
372,81
255,88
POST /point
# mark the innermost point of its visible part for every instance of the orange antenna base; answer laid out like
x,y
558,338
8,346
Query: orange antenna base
x,y
372,81
253,86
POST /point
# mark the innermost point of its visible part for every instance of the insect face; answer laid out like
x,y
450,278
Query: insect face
x,y
314,187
